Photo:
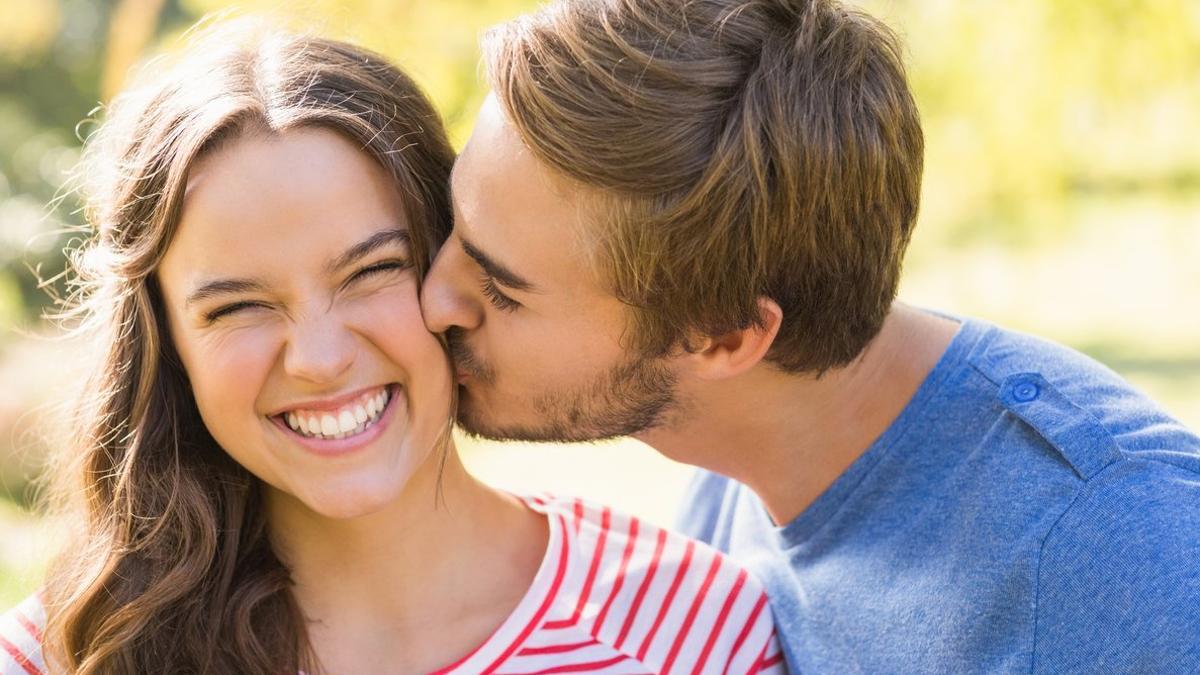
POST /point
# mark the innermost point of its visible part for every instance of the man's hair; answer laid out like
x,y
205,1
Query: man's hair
x,y
739,148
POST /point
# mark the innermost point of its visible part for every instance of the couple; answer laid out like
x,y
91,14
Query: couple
x,y
682,221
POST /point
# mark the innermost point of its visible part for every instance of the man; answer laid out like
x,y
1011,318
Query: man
x,y
685,221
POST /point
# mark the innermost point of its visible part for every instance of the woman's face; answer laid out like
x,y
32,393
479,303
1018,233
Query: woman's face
x,y
292,301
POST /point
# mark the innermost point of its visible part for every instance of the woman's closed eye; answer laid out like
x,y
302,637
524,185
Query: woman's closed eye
x,y
213,316
383,267
374,270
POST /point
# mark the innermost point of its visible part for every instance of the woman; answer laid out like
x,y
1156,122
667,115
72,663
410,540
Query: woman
x,y
264,478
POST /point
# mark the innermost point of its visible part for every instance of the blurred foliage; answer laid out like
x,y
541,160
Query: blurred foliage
x,y
436,42
61,59
1026,103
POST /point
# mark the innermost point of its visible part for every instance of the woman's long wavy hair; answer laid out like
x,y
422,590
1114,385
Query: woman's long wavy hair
x,y
171,569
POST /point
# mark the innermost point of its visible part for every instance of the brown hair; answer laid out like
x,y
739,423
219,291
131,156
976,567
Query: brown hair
x,y
740,148
172,570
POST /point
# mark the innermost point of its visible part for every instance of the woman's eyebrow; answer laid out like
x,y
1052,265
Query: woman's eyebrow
x,y
367,246
223,287
243,285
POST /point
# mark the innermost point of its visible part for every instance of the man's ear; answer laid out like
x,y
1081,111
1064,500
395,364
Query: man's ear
x,y
733,353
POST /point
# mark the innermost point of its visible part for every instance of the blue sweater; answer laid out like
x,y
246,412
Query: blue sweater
x,y
1028,511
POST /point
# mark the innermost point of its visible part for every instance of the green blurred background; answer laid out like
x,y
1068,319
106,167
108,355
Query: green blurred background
x,y
1062,193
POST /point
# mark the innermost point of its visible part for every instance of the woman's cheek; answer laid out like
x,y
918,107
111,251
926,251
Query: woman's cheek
x,y
228,370
392,317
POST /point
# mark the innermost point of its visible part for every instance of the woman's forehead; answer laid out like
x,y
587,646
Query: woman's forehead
x,y
293,198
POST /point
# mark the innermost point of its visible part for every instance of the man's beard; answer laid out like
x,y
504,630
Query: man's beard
x,y
628,398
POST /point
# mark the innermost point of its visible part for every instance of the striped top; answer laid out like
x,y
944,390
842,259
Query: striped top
x,y
21,637
613,595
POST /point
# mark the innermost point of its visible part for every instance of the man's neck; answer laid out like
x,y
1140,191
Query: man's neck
x,y
789,437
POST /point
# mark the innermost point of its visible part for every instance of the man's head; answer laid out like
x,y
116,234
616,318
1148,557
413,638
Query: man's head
x,y
646,176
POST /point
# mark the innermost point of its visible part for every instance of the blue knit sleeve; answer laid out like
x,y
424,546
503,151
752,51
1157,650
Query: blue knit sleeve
x,y
1119,575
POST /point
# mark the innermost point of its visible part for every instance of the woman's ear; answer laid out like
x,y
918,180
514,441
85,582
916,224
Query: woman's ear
x,y
733,353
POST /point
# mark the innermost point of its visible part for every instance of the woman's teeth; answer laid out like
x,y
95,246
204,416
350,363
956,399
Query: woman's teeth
x,y
350,420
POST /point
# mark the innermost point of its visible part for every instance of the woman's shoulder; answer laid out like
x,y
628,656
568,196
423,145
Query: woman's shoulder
x,y
21,638
637,583
612,537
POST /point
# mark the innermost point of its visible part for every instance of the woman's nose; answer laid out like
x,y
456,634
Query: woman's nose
x,y
320,349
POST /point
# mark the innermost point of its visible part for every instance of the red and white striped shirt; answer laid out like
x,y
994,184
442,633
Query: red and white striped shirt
x,y
613,595
21,639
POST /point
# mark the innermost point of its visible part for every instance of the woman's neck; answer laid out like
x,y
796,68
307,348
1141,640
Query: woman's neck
x,y
402,588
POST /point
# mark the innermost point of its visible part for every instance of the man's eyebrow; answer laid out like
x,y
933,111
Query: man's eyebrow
x,y
494,269
367,246
223,287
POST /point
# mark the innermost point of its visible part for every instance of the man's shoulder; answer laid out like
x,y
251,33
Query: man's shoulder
x,y
1118,581
992,378
707,508
1133,507
1087,413
21,638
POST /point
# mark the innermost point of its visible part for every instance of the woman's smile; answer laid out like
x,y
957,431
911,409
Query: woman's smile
x,y
341,424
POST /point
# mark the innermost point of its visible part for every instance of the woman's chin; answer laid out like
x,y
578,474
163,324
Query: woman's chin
x,y
349,506
348,492
343,501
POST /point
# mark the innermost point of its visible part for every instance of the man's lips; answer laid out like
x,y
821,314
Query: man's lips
x,y
466,365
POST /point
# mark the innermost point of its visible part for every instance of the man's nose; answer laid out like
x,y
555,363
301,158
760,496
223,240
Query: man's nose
x,y
320,349
448,298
